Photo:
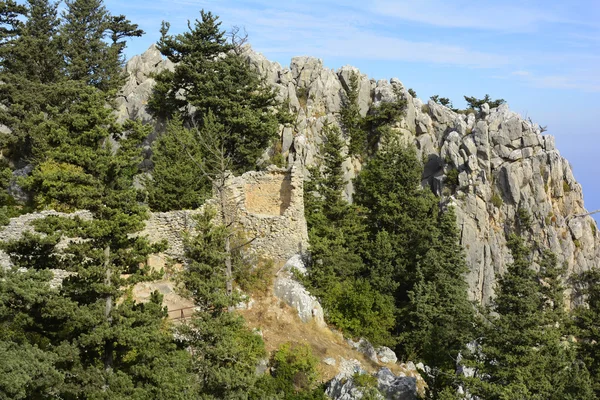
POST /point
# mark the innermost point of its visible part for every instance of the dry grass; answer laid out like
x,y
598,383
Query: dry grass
x,y
280,324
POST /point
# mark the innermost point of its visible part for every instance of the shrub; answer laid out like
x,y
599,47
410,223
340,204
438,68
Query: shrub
x,y
357,309
295,363
451,178
302,95
368,384
412,92
524,218
566,187
364,380
497,200
255,277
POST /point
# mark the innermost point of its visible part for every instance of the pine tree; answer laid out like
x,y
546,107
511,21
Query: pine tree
x,y
224,351
388,187
89,57
176,183
351,120
211,78
523,353
103,348
439,318
30,70
587,325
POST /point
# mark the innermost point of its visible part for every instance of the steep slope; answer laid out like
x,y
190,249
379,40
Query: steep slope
x,y
511,177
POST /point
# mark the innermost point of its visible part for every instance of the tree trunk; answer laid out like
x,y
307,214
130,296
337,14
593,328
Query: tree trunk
x,y
225,222
108,345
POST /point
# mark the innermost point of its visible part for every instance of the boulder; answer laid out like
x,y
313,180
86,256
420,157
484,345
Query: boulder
x,y
396,388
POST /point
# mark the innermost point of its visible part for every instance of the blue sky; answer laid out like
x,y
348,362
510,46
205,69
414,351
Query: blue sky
x,y
543,57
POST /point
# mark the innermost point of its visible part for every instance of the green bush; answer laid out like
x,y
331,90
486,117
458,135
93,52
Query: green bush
x,y
566,187
497,200
293,376
364,380
368,384
524,218
451,178
359,310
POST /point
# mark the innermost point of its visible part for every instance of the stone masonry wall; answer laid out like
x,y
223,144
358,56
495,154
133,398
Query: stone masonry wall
x,y
267,206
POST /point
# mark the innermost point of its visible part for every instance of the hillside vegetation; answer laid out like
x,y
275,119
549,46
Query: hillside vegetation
x,y
387,266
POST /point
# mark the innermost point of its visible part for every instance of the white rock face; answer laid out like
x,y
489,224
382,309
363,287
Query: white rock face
x,y
294,294
505,163
390,386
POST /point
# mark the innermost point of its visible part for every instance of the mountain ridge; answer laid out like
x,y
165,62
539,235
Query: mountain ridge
x,y
507,169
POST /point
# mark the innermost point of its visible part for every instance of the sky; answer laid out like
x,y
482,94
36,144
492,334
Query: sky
x,y
542,57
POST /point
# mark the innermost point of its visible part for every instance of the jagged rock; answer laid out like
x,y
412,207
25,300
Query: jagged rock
x,y
294,294
364,86
386,355
365,347
500,155
287,139
396,388
329,361
295,265
344,388
390,386
14,188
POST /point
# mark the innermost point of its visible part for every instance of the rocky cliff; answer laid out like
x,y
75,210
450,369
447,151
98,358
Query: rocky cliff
x,y
509,175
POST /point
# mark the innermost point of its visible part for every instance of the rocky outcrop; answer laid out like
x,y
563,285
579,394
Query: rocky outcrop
x,y
507,170
294,294
389,386
133,98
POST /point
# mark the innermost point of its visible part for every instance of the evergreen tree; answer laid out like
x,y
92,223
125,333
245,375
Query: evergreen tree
x,y
103,349
523,353
476,103
388,187
89,57
210,78
337,233
587,324
439,318
176,182
30,69
351,120
224,351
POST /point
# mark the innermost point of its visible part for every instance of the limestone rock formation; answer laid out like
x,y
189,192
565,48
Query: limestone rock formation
x,y
390,386
294,294
507,170
132,100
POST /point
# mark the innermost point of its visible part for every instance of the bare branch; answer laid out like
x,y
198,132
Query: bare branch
x,y
239,37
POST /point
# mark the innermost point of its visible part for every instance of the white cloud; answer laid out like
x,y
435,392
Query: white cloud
x,y
484,15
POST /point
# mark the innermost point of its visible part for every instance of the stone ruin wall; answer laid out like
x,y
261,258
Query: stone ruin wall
x,y
268,205
270,208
